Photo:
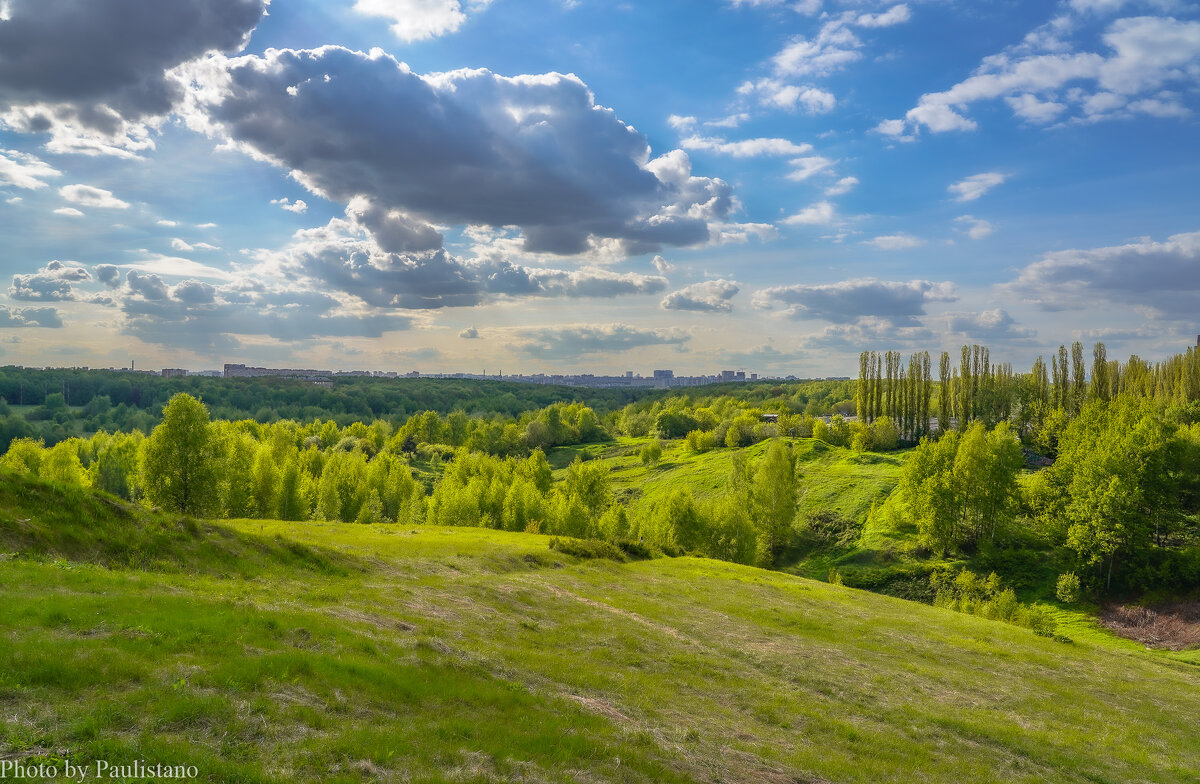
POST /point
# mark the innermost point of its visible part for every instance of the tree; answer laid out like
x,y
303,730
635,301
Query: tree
x,y
651,453
773,500
180,465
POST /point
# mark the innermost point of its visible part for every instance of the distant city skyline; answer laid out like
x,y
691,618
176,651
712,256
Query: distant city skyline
x,y
568,186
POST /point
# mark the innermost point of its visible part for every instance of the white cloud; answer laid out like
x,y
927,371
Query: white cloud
x,y
971,188
819,214
167,223
976,228
895,242
710,296
298,206
417,20
745,148
187,247
567,341
662,265
778,94
803,168
70,212
897,14
842,186
21,170
87,196
469,334
1043,79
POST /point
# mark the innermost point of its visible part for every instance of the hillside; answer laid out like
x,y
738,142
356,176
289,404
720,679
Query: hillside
x,y
270,651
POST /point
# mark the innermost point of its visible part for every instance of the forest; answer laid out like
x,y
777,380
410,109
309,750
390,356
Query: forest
x,y
1098,473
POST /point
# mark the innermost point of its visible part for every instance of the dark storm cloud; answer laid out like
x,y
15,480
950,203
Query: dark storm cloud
x,y
467,147
98,62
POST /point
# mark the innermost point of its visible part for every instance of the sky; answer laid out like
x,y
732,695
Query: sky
x,y
525,186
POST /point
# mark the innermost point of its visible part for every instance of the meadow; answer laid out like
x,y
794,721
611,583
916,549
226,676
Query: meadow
x,y
261,650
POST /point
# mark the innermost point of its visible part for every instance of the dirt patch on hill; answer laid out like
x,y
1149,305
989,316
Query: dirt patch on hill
x,y
1174,626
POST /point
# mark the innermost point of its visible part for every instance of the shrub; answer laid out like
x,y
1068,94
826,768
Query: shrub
x,y
700,441
651,453
1068,588
588,548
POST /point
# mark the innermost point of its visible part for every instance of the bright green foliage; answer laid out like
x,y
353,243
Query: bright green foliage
x,y
773,500
651,453
885,435
62,464
181,463
700,441
1067,590
24,456
589,483
961,489
1121,472
114,468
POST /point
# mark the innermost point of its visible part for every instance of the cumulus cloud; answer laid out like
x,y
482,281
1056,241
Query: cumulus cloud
x,y
88,196
662,265
895,15
803,168
572,340
90,72
29,317
470,333
69,212
298,206
988,325
847,302
781,94
418,20
710,296
895,242
1046,79
465,147
108,274
976,228
819,214
52,283
976,185
346,256
1162,278
188,247
21,170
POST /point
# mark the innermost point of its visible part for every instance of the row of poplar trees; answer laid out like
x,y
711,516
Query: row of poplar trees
x,y
978,389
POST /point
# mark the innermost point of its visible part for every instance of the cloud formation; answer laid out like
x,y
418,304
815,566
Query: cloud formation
x,y
1043,80
1160,278
90,72
573,340
21,170
29,317
710,296
849,301
465,147
52,283
418,20
971,188
88,196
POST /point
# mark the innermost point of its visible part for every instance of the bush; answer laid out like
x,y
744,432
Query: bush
x,y
1068,588
700,441
651,453
588,548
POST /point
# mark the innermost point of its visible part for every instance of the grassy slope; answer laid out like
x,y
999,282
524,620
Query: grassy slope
x,y
282,651
829,478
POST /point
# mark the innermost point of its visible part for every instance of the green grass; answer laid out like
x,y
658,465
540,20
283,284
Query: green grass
x,y
438,654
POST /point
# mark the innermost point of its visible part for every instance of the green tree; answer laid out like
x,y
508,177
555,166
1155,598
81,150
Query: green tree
x,y
181,461
773,500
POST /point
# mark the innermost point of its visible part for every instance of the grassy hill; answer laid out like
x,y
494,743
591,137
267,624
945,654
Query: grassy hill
x,y
328,652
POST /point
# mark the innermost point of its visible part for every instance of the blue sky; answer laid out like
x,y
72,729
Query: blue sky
x,y
560,185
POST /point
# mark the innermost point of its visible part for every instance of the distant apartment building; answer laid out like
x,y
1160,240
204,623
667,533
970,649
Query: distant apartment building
x,y
242,371
173,372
